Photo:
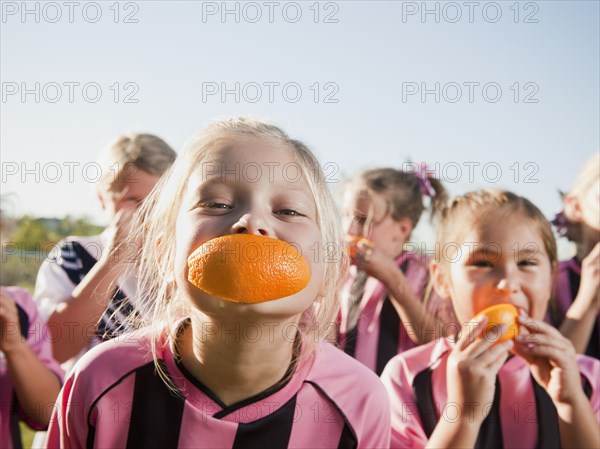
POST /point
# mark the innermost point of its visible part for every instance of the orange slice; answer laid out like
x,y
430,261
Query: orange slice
x,y
352,243
502,313
248,268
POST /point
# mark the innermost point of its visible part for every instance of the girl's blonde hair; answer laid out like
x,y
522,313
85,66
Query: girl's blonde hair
x,y
145,152
402,192
468,211
161,303
588,174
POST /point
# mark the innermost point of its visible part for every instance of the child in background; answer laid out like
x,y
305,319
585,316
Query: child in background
x,y
576,302
473,393
195,376
383,312
79,288
30,378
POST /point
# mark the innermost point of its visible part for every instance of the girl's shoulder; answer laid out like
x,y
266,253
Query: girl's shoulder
x,y
403,368
344,382
111,362
337,374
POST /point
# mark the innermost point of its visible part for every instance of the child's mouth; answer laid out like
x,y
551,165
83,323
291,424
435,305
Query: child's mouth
x,y
248,268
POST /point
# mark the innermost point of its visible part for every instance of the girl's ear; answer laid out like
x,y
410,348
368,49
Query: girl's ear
x,y
404,227
573,210
440,283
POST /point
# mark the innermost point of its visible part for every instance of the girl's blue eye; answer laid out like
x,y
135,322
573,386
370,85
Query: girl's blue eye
x,y
482,263
528,263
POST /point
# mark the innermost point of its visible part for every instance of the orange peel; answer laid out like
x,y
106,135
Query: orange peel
x,y
352,242
501,314
248,268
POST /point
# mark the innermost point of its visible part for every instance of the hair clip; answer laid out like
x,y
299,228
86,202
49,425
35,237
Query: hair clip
x,y
424,182
561,223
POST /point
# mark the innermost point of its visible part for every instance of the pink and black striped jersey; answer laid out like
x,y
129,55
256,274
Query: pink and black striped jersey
x,y
565,292
379,334
33,329
114,398
522,415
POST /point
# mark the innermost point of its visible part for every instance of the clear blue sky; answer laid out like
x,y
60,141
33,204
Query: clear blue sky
x,y
374,55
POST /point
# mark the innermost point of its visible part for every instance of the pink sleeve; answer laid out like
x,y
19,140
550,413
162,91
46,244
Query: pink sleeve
x,y
37,340
407,431
68,424
376,430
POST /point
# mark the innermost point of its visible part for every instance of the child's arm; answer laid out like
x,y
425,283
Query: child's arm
x,y
421,325
552,362
581,316
91,297
472,368
35,385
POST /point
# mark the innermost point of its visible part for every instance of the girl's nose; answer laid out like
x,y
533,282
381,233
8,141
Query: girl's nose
x,y
252,223
506,285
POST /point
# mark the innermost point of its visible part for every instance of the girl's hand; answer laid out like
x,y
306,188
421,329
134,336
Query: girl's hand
x,y
472,368
551,360
118,230
589,289
375,262
10,330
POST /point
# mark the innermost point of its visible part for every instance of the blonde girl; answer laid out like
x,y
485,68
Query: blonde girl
x,y
209,372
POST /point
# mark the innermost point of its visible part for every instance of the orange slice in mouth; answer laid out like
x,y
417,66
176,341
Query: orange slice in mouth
x,y
248,268
500,314
352,242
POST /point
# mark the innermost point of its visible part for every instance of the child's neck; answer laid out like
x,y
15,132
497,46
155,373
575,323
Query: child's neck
x,y
231,361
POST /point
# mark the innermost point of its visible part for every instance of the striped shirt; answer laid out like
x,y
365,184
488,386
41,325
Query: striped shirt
x,y
114,397
380,334
522,415
66,266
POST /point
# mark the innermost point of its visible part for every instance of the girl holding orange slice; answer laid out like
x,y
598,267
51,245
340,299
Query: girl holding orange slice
x,y
383,312
576,303
496,262
237,303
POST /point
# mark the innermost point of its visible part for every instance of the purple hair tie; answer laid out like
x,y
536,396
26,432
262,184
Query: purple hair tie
x,y
424,182
561,223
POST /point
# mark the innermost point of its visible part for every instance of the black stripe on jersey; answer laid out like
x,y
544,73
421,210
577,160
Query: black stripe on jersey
x,y
424,400
92,430
348,439
74,253
273,430
547,418
490,433
23,321
14,413
156,412
350,341
389,330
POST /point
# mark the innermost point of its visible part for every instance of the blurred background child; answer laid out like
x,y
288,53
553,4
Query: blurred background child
x,y
80,288
576,303
383,309
30,378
